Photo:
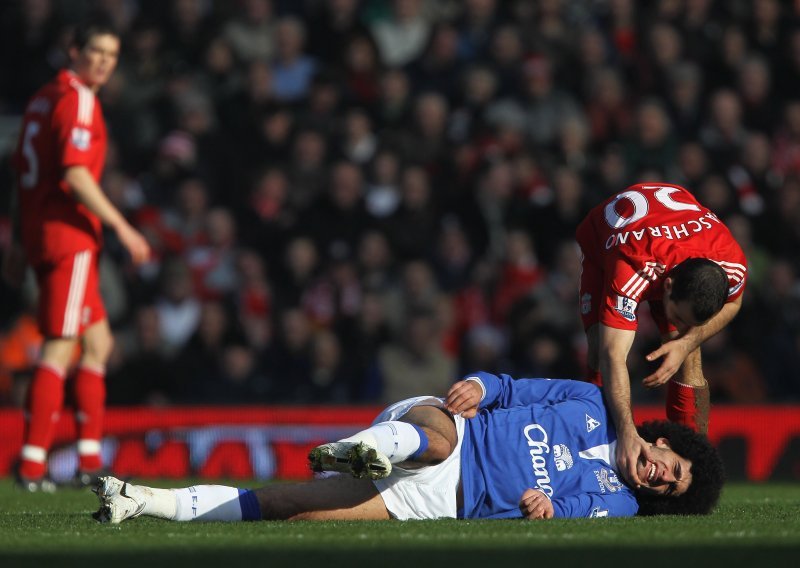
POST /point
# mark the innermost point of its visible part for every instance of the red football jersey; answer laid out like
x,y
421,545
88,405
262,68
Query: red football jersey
x,y
636,237
63,126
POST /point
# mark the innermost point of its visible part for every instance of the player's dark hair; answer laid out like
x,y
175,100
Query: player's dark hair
x,y
85,31
701,282
708,474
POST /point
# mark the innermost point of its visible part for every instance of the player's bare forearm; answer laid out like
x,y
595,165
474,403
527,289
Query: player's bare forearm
x,y
614,345
675,351
698,334
87,191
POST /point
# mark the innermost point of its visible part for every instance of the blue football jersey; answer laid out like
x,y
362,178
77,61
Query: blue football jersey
x,y
551,435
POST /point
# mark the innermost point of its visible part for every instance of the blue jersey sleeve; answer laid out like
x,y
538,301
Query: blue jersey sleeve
x,y
502,391
596,505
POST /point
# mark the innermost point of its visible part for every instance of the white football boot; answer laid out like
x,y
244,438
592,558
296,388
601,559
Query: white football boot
x,y
118,501
356,458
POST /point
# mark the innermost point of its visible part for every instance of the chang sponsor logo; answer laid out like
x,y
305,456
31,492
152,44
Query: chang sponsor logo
x,y
538,444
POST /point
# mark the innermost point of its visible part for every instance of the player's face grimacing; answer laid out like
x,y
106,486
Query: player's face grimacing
x,y
669,475
95,63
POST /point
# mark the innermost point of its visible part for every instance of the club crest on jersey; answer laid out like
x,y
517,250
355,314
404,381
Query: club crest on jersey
x,y
591,423
81,138
626,308
608,480
586,303
562,457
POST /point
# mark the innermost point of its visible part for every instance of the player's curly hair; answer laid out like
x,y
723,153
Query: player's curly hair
x,y
708,474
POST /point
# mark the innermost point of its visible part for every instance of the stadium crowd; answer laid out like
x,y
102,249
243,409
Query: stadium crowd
x,y
353,201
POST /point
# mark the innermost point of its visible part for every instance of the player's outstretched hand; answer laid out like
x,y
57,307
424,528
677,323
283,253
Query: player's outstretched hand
x,y
631,450
463,398
535,505
14,265
674,353
135,243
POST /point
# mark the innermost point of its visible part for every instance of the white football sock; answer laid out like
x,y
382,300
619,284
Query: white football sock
x,y
398,441
208,503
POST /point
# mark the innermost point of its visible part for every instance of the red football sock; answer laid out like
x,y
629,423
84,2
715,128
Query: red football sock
x,y
688,405
90,398
593,377
43,405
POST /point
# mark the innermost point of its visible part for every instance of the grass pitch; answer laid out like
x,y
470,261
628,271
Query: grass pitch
x,y
755,525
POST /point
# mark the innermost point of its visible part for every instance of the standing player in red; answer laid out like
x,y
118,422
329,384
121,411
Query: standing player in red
x,y
655,242
59,161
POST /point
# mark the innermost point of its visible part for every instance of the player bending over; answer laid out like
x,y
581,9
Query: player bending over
x,y
494,448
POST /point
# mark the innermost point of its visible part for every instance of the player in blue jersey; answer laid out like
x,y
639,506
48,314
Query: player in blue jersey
x,y
495,447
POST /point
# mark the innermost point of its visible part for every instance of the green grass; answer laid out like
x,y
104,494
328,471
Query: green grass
x,y
755,525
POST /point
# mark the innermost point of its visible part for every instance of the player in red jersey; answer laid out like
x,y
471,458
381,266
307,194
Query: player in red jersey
x,y
655,242
59,162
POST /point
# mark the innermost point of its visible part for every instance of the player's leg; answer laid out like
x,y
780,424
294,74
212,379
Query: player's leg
x,y
335,498
688,394
44,401
417,436
90,395
62,288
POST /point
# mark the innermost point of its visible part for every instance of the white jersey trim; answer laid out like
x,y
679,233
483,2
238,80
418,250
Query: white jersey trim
x,y
77,292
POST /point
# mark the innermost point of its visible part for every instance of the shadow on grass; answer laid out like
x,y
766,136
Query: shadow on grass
x,y
598,557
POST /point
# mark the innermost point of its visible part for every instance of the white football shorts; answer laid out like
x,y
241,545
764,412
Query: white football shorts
x,y
428,492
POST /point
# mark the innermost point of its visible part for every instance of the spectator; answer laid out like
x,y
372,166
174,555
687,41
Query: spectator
x,y
177,307
292,70
417,362
403,36
251,33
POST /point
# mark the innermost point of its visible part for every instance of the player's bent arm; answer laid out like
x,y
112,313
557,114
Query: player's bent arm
x,y
88,192
503,391
675,351
698,334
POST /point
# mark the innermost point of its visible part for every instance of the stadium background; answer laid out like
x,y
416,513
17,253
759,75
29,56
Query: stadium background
x,y
351,202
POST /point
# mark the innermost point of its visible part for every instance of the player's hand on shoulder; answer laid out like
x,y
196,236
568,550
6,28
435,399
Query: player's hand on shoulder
x,y
631,450
14,265
463,398
135,243
534,505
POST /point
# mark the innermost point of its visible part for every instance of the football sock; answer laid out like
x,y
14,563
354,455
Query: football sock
x,y
90,397
216,503
594,377
43,405
688,405
398,441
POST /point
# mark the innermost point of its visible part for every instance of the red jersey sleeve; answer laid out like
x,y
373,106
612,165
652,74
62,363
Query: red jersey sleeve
x,y
72,122
620,300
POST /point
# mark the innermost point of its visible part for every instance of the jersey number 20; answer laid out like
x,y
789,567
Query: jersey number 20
x,y
641,207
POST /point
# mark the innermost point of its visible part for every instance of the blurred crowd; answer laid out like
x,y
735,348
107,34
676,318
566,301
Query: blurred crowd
x,y
355,201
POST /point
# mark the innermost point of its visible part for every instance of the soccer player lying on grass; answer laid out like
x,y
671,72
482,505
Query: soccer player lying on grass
x,y
494,448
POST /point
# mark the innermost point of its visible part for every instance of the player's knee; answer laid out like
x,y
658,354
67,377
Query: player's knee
x,y
99,347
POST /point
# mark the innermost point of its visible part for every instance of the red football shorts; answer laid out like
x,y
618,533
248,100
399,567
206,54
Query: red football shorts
x,y
69,295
